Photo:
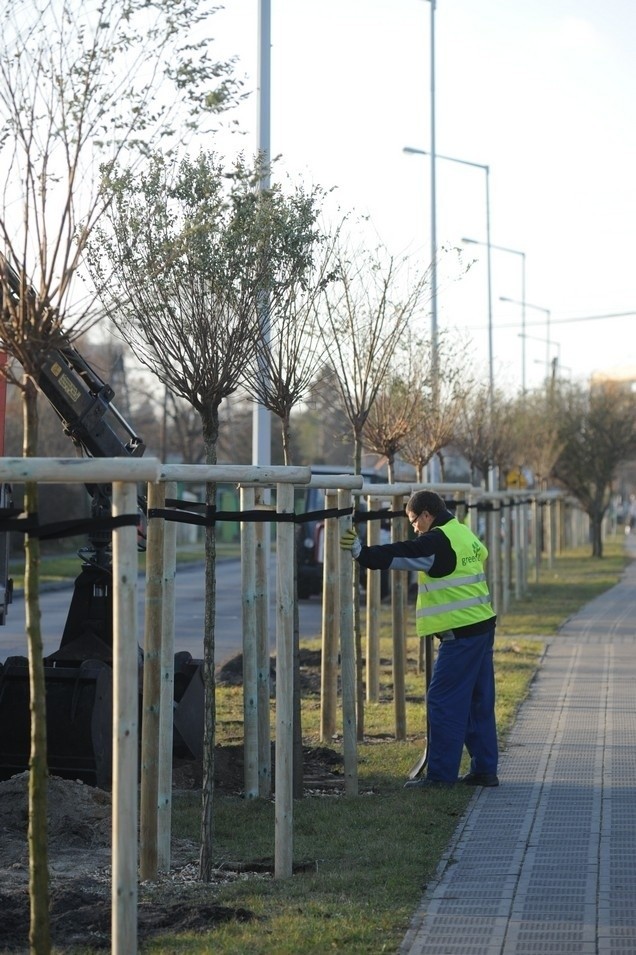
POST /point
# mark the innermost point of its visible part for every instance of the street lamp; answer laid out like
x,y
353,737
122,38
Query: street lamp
x,y
549,361
434,327
504,248
538,308
261,417
433,155
464,162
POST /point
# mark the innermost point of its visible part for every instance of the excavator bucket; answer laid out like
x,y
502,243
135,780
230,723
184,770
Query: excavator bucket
x,y
79,705
77,699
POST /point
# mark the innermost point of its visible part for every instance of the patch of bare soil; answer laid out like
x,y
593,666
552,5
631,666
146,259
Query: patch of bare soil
x,y
79,851
79,831
80,870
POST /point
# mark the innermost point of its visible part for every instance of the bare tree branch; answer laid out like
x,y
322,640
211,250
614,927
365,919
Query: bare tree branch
x,y
363,317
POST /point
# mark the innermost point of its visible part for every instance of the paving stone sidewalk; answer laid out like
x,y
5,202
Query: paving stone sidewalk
x,y
546,863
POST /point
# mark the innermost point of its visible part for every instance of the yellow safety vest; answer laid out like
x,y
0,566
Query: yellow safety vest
x,y
461,598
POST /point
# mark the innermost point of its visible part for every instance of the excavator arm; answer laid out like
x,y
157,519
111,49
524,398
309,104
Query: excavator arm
x,y
78,675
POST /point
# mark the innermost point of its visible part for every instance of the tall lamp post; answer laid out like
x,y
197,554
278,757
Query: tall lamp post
x,y
433,154
538,308
261,417
433,188
504,248
477,165
551,363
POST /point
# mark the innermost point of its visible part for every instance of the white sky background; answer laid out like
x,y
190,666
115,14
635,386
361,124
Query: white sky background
x,y
542,92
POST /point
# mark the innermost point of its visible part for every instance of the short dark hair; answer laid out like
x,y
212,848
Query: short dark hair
x,y
426,501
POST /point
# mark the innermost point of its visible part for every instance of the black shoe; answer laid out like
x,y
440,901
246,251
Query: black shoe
x,y
480,779
425,783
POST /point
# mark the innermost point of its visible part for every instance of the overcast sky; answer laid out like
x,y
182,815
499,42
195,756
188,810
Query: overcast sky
x,y
541,93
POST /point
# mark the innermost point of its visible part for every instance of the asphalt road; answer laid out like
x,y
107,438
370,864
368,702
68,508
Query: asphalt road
x,y
188,615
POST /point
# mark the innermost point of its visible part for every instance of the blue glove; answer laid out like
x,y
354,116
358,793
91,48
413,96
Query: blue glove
x,y
351,542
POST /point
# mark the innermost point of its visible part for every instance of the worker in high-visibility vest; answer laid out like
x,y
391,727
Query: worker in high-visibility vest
x,y
453,604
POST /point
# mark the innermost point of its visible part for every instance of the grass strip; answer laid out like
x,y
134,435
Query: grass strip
x,y
368,859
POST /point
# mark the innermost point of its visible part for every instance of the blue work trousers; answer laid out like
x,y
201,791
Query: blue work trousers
x,y
461,707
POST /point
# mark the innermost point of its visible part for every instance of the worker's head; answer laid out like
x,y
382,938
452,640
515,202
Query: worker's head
x,y
423,508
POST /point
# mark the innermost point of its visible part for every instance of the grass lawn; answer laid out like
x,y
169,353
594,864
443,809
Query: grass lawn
x,y
367,859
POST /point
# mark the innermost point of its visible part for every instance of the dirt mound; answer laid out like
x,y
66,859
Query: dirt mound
x,y
79,828
81,917
78,815
230,673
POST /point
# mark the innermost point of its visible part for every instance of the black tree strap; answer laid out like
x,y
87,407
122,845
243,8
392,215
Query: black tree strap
x,y
192,512
184,512
256,516
88,525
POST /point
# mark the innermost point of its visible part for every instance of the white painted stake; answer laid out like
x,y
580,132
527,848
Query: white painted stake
x,y
347,656
398,533
164,796
374,600
250,689
261,596
125,726
330,622
151,688
283,853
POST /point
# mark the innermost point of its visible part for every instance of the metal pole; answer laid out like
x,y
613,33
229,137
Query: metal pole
x,y
491,370
504,248
546,311
523,323
261,418
433,464
434,329
476,165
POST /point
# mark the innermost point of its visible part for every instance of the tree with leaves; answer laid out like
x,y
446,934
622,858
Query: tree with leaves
x,y
485,433
289,354
191,251
365,314
393,413
80,86
536,439
597,430
289,349
439,403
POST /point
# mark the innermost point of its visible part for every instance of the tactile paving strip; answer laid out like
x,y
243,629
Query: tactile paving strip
x,y
545,863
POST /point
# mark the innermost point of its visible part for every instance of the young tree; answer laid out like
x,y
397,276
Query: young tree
x,y
439,403
364,316
289,352
597,428
536,439
322,428
80,84
395,410
191,251
485,433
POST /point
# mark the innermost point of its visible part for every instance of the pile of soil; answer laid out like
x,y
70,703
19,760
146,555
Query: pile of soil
x,y
79,830
79,850
79,825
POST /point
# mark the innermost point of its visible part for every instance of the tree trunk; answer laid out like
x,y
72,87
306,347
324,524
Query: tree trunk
x,y
596,530
210,434
357,622
297,771
39,933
